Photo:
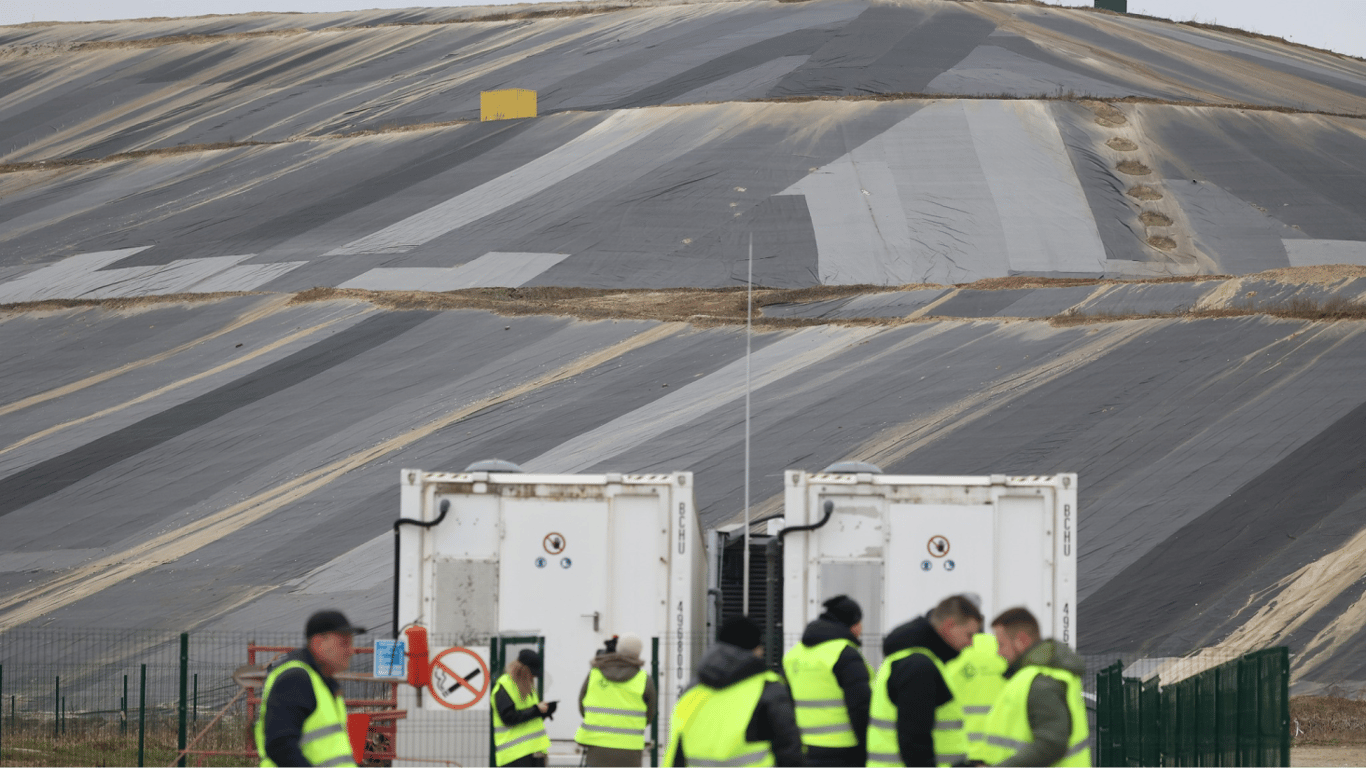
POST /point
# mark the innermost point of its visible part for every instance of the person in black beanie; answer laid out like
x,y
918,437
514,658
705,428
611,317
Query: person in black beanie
x,y
739,712
830,685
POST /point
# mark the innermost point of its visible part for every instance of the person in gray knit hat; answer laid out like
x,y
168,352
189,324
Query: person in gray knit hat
x,y
618,702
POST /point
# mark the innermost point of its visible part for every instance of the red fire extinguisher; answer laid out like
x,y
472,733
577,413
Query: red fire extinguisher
x,y
418,658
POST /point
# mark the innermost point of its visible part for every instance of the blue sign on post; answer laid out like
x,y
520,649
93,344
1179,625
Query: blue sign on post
x,y
390,658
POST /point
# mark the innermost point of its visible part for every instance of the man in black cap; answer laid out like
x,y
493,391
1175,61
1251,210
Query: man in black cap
x,y
739,712
303,715
830,685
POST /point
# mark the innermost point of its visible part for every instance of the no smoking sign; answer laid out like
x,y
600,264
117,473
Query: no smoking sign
x,y
459,678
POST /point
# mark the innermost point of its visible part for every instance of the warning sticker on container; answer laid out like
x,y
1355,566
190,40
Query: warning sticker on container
x,y
938,546
554,543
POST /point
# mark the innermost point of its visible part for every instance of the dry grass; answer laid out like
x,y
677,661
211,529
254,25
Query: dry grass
x,y
1143,192
1327,720
1155,219
1120,144
1329,310
1133,168
181,149
53,305
1162,243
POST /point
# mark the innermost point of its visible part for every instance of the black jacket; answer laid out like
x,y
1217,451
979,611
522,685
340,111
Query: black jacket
x,y
291,702
774,718
916,688
851,672
507,708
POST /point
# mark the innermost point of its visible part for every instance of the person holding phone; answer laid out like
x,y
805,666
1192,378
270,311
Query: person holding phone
x,y
519,736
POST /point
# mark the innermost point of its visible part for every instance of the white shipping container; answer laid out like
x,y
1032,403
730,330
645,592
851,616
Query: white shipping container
x,y
572,558
900,544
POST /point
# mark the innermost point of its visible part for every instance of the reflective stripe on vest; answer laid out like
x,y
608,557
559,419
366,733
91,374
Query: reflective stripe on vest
x,y
976,677
1007,729
711,722
884,747
819,700
614,712
513,741
323,740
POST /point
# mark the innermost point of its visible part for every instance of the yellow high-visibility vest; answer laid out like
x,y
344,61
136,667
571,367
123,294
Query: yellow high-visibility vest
x,y
711,723
817,696
522,739
884,747
324,740
614,712
976,677
1007,729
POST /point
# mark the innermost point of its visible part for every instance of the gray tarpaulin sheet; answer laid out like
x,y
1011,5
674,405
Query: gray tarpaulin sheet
x,y
1219,458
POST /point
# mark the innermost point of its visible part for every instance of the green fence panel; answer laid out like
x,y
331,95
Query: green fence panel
x,y
1133,722
1274,706
1206,721
1171,722
1150,719
1110,715
1249,722
1226,687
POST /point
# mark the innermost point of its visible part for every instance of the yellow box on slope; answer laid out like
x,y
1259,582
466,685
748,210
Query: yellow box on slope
x,y
507,104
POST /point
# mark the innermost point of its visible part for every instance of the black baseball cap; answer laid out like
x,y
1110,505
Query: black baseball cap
x,y
330,621
531,659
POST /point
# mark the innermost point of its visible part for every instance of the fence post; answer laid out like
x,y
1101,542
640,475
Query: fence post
x,y
184,702
2,710
195,711
142,715
57,709
654,675
63,715
496,655
123,704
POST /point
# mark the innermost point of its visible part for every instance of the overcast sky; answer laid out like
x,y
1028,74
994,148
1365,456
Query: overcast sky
x,y
1338,25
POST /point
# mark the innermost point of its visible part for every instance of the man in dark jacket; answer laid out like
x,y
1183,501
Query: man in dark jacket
x,y
708,721
830,679
290,697
913,690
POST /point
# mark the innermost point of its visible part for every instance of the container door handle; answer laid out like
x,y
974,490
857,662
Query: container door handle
x,y
596,616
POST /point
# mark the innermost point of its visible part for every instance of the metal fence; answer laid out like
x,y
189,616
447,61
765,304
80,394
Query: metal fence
x,y
1199,710
166,698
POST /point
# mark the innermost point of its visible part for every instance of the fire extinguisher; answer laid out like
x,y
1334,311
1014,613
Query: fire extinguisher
x,y
418,659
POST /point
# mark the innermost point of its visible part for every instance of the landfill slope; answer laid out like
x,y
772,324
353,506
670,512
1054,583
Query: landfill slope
x,y
252,266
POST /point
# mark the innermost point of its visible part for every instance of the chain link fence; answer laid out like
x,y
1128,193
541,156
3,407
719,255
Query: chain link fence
x,y
117,697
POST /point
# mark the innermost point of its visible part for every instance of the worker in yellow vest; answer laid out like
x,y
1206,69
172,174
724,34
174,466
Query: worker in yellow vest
x,y
830,682
977,677
1039,718
739,713
303,715
914,718
617,702
519,736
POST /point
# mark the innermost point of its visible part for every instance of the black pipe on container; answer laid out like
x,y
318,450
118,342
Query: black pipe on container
x,y
445,507
773,644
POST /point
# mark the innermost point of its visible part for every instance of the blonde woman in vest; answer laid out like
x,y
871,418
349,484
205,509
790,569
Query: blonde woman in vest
x,y
519,736
830,685
617,701
914,718
1039,718
303,715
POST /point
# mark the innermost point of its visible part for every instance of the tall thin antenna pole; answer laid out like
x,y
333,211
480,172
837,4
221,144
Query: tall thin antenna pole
x,y
749,327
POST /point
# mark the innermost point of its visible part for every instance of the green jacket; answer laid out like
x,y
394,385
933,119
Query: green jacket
x,y
1048,712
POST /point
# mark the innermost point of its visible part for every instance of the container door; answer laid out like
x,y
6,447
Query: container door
x,y
938,550
553,582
